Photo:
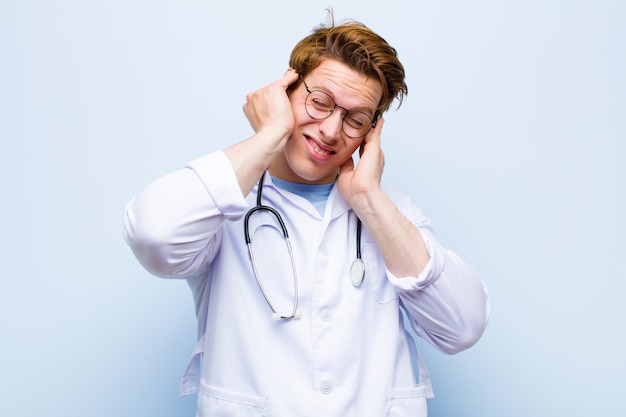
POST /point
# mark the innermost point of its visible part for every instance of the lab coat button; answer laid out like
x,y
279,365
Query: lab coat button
x,y
323,250
326,315
326,387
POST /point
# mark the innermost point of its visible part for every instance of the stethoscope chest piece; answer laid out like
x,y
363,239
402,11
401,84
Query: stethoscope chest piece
x,y
357,272
357,269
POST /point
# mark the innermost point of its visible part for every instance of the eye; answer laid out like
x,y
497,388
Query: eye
x,y
321,101
357,120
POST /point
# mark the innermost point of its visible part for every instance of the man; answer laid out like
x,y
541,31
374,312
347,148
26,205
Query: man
x,y
302,328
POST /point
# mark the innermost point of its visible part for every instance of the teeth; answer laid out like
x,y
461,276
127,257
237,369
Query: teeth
x,y
318,150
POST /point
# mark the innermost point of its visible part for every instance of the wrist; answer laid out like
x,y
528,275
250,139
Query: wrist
x,y
370,201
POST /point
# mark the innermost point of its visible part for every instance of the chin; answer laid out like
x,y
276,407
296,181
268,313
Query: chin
x,y
308,171
313,175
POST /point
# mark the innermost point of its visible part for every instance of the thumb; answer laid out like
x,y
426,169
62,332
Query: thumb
x,y
289,77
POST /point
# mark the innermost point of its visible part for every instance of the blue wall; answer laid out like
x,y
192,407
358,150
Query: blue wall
x,y
511,140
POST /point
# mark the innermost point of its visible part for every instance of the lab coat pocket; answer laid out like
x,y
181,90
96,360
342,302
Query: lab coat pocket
x,y
218,402
405,402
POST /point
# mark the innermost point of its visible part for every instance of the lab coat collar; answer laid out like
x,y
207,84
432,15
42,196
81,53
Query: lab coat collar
x,y
336,205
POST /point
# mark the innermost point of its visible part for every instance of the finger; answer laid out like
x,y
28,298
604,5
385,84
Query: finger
x,y
373,137
375,133
289,78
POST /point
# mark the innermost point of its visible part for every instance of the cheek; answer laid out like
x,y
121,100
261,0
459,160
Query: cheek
x,y
299,113
349,151
353,147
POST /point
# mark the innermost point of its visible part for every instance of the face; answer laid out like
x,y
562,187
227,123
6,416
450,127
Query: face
x,y
317,148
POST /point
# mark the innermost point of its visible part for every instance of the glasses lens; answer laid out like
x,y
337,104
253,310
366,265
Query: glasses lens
x,y
356,124
319,105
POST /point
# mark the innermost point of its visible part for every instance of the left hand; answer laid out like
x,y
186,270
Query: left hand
x,y
366,177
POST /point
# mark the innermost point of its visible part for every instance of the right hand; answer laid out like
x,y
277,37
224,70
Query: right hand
x,y
269,109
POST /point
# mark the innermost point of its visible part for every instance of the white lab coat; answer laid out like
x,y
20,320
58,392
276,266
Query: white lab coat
x,y
348,354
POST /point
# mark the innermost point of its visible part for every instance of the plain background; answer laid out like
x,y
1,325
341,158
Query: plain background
x,y
511,140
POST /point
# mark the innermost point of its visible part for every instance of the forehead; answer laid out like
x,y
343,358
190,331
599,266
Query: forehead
x,y
348,87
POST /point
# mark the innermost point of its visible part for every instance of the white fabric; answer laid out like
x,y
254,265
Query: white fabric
x,y
348,354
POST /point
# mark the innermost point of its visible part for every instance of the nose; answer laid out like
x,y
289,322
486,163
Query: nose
x,y
332,125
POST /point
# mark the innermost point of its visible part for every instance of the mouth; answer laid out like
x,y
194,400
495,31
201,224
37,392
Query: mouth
x,y
318,150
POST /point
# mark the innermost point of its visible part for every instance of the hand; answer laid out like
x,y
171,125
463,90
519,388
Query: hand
x,y
366,177
269,108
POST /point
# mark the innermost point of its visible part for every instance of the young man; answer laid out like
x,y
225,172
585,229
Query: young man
x,y
310,325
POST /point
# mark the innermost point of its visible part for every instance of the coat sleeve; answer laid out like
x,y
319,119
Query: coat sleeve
x,y
448,304
174,226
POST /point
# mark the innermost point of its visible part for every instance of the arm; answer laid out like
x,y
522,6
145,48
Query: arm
x,y
269,112
451,312
173,226
445,298
400,243
447,304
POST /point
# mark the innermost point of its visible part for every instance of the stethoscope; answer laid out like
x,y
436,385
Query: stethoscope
x,y
357,269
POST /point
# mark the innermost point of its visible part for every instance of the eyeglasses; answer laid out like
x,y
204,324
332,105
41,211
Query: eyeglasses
x,y
320,105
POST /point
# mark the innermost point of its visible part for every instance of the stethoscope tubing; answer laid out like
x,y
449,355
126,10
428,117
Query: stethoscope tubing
x,y
357,269
260,207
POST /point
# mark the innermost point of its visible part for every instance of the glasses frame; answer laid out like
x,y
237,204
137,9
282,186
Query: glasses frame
x,y
343,119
